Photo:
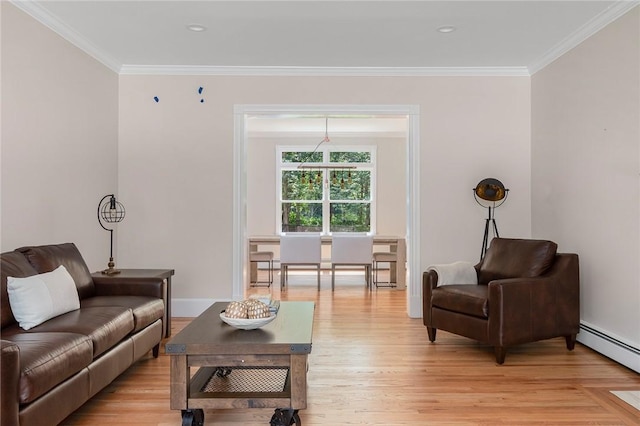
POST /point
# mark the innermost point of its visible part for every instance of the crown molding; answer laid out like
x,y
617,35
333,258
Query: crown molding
x,y
323,71
52,22
597,23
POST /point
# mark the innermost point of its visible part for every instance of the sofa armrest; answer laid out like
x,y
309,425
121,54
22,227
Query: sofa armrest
x,y
10,372
124,286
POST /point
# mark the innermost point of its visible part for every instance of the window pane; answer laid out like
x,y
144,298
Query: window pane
x,y
302,157
350,217
350,185
349,157
301,217
301,185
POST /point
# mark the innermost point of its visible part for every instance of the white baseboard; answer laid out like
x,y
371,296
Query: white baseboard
x,y
610,346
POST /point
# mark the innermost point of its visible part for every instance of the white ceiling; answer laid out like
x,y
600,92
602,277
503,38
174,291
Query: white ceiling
x,y
325,37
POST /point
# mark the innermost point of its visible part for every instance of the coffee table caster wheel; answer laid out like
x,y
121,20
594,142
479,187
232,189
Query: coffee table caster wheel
x,y
285,417
193,417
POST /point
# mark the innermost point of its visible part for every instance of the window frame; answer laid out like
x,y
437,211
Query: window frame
x,y
326,166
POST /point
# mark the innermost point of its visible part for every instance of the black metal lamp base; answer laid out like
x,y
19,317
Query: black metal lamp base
x,y
111,270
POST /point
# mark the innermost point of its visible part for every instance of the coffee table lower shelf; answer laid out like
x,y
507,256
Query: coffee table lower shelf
x,y
241,387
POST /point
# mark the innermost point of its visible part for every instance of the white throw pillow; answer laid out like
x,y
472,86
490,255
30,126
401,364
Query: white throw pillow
x,y
38,298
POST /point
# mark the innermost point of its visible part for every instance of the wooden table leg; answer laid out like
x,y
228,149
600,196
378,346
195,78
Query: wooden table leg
x,y
298,371
179,382
167,309
401,262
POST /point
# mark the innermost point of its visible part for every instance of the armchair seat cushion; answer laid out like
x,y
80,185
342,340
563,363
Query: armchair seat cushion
x,y
468,299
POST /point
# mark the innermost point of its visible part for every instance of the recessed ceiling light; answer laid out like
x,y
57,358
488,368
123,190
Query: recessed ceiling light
x,y
445,29
196,28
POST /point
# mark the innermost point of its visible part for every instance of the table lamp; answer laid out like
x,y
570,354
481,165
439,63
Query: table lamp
x,y
110,211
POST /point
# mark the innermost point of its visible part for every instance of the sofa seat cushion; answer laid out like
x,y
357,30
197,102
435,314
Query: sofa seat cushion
x,y
48,359
146,310
105,326
469,299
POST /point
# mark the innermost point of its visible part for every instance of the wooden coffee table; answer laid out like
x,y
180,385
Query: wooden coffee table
x,y
262,368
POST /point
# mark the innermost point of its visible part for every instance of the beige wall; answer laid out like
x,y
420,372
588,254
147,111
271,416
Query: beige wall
x,y
59,139
586,168
176,162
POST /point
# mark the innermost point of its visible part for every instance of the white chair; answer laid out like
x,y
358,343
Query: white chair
x,y
265,257
383,257
351,250
299,249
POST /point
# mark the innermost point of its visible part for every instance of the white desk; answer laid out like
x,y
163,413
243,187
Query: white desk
x,y
396,244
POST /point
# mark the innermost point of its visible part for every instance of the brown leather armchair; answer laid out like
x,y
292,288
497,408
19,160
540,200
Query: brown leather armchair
x,y
525,292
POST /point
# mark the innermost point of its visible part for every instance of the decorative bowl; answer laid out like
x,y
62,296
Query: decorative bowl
x,y
247,323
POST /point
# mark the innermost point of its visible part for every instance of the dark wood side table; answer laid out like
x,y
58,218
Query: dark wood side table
x,y
147,275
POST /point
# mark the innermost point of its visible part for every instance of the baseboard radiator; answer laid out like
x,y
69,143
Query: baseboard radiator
x,y
612,347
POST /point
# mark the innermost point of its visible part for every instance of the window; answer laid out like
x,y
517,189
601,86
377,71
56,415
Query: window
x,y
328,190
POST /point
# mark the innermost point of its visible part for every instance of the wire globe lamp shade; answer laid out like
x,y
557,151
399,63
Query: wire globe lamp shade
x,y
112,211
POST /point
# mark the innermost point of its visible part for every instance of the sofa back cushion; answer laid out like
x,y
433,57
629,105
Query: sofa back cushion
x,y
13,264
49,257
516,258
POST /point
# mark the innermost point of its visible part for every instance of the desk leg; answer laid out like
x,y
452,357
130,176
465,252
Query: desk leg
x,y
393,269
401,264
252,267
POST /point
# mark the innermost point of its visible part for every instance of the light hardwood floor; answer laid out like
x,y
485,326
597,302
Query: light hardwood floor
x,y
373,365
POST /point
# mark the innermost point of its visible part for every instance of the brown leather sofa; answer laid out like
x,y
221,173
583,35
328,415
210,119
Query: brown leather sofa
x,y
50,370
525,292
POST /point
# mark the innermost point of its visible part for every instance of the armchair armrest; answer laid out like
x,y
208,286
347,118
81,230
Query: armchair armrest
x,y
125,286
10,362
457,273
429,282
515,305
530,309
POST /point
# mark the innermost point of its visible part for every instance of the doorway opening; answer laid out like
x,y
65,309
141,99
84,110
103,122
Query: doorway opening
x,y
245,117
